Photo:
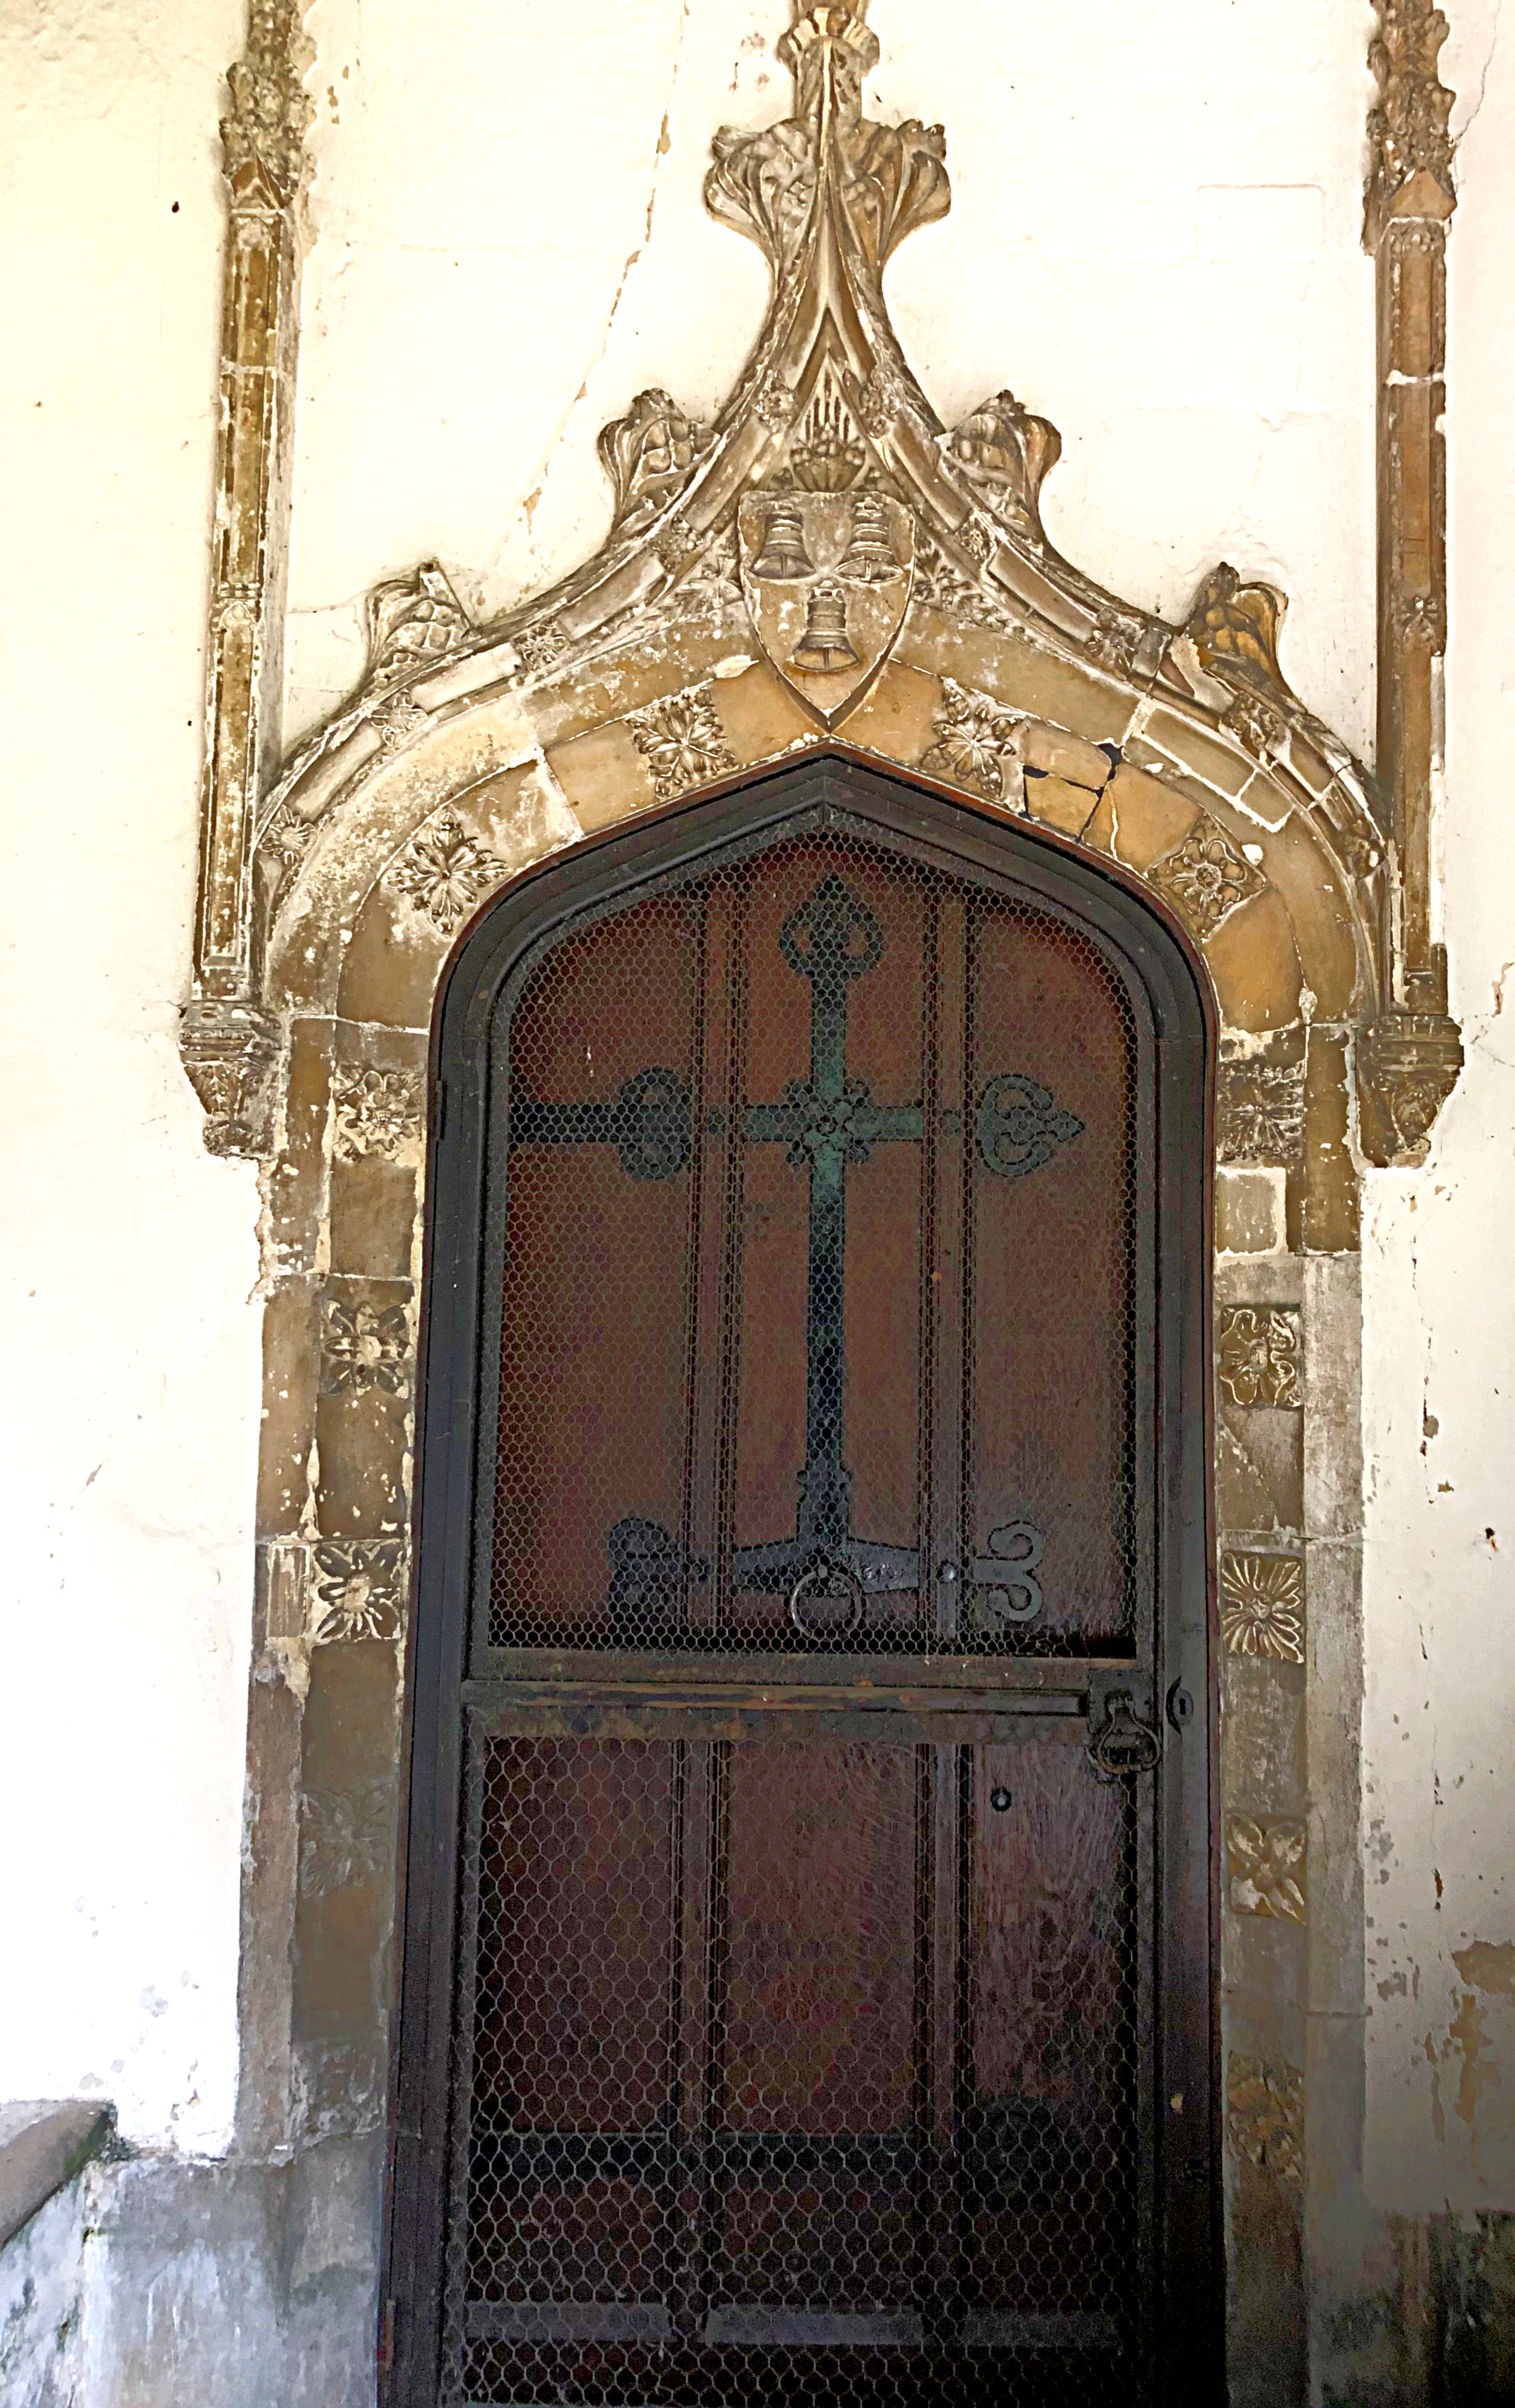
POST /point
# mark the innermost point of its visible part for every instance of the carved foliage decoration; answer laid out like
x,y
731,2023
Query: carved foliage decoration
x,y
375,1111
765,184
1235,627
364,1346
271,113
412,620
884,180
682,741
1266,1864
1408,133
896,181
648,455
1263,1606
1113,640
1259,1356
444,871
1260,1111
974,743
958,592
1207,878
1006,453
345,1835
358,1587
1264,2118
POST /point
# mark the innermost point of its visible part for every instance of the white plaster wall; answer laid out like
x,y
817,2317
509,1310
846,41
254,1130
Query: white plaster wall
x,y
1154,241
1440,1307
130,1397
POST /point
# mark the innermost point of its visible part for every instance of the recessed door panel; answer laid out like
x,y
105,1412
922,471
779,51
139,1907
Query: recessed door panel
x,y
812,2045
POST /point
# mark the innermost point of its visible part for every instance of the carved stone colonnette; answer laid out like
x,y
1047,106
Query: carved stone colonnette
x,y
825,564
1409,1057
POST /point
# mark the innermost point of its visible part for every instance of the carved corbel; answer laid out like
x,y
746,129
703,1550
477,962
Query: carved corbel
x,y
1409,1060
228,1043
231,1051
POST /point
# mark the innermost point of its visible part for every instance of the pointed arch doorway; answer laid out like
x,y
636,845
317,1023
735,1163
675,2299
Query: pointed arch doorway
x,y
809,1915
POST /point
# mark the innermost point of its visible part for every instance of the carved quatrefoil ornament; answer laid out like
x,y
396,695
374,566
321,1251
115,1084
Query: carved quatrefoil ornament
x,y
827,578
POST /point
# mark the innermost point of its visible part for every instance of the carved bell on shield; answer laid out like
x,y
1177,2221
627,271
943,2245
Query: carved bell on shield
x,y
869,558
783,553
826,644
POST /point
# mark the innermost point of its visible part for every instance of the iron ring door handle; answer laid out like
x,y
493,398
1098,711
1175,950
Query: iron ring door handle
x,y
1124,1744
827,1578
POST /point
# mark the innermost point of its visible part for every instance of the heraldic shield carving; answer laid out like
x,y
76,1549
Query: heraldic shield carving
x,y
827,581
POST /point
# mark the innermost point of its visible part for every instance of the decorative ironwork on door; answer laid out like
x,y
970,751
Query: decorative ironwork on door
x,y
993,1104
827,1121
800,1968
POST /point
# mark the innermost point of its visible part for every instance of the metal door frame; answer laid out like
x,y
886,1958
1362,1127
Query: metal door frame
x,y
1185,2081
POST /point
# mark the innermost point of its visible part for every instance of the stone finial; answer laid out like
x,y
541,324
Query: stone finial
x,y
271,112
882,180
1410,171
1006,453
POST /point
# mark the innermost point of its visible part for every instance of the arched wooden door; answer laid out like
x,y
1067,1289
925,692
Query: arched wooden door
x,y
807,1938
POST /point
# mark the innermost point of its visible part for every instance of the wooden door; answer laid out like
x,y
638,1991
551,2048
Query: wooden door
x,y
807,1964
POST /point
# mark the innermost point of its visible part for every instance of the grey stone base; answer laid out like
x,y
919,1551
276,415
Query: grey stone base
x,y
245,2285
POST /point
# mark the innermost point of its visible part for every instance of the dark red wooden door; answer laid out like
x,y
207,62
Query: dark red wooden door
x,y
805,2005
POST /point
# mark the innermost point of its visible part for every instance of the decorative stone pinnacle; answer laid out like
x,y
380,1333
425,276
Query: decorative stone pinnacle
x,y
838,32
1410,173
878,182
271,112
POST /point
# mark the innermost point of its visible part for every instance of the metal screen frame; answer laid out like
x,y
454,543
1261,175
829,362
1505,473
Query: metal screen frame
x,y
450,1676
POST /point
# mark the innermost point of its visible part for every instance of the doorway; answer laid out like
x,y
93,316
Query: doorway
x,y
807,1985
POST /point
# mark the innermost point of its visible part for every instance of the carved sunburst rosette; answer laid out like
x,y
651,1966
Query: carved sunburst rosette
x,y
827,578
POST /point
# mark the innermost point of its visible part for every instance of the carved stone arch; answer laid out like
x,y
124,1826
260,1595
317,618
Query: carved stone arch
x,y
825,566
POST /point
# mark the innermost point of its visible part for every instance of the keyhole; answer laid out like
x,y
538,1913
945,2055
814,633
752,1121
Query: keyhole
x,y
1000,1800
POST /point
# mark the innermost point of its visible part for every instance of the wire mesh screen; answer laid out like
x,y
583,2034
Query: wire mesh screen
x,y
816,1271
797,2070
